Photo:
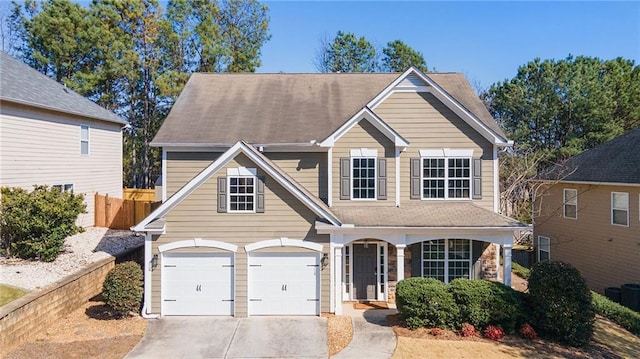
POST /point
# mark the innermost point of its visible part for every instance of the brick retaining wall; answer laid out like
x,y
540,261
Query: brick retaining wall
x,y
27,316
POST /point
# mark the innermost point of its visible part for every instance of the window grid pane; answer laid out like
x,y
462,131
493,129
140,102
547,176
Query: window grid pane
x,y
363,180
433,255
570,208
241,193
620,208
446,179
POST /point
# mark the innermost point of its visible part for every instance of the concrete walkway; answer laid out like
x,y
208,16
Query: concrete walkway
x,y
372,337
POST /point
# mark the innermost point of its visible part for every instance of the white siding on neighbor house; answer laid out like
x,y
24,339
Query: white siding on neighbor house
x,y
43,147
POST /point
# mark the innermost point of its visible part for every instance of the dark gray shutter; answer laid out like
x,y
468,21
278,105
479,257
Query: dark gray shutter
x,y
345,178
382,178
416,260
260,194
416,186
477,178
222,194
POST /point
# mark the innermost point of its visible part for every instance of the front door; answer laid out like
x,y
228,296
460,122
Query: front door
x,y
364,271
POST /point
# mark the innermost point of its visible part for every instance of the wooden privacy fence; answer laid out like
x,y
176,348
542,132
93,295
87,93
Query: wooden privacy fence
x,y
116,213
137,194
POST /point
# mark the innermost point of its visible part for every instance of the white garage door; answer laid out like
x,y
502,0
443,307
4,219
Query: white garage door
x,y
197,284
284,284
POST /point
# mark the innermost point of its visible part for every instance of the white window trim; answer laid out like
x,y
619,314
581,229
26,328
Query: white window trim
x,y
548,247
446,178
87,140
446,258
63,186
241,172
347,287
620,209
375,177
565,202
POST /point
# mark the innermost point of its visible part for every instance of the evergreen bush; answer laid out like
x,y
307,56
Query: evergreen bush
x,y
34,224
122,288
560,303
426,302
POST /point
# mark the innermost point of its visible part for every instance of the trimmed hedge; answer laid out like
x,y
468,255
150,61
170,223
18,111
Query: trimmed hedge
x,y
483,302
122,288
520,271
617,313
426,302
560,303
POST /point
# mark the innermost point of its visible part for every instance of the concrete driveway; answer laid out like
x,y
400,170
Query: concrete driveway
x,y
225,337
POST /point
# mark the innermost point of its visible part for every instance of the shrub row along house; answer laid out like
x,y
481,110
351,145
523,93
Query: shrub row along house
x,y
589,215
289,194
50,135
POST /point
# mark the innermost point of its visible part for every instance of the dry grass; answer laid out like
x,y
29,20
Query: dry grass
x,y
339,332
9,293
88,332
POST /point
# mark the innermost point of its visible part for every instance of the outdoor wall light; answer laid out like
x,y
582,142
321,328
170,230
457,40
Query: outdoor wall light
x,y
324,260
154,261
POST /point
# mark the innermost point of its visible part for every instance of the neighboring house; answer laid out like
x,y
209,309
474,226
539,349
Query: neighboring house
x,y
289,194
50,135
589,214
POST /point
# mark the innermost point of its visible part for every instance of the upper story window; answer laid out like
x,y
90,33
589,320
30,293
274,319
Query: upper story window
x,y
241,191
84,139
620,208
570,203
446,174
363,178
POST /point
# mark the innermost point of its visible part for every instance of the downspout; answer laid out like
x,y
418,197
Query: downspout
x,y
147,278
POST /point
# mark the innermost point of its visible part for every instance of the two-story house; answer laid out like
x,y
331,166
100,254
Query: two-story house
x,y
589,213
51,135
290,194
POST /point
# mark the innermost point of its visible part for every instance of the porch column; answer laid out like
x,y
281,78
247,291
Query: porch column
x,y
400,261
506,268
337,265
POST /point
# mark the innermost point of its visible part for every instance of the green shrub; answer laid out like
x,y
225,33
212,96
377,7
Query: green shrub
x,y
483,302
426,302
34,224
619,314
122,288
560,303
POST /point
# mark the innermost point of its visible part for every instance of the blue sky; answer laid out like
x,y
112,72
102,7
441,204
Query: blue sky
x,y
486,41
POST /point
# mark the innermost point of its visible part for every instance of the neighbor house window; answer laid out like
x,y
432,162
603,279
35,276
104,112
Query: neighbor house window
x,y
64,187
446,178
544,249
570,201
446,259
620,208
242,189
84,139
363,177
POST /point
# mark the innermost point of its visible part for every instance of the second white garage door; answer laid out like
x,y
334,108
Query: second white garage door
x,y
284,284
197,284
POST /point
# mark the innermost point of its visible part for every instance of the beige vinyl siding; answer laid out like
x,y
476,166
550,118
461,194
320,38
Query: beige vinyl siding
x,y
426,123
196,216
309,169
43,147
364,135
607,255
183,166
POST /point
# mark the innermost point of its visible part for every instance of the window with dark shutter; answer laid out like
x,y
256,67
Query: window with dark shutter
x,y
345,182
416,186
477,178
382,178
222,194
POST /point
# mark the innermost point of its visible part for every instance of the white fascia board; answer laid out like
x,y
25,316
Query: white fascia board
x,y
324,228
445,98
203,176
617,184
375,120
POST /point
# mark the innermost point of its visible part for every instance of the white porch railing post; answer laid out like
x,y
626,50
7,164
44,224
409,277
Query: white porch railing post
x,y
400,261
506,268
337,265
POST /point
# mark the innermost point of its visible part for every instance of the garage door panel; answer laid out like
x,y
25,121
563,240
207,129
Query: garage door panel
x,y
197,284
284,284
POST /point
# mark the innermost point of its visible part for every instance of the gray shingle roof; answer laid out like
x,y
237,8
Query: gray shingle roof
x,y
22,84
615,161
284,108
425,214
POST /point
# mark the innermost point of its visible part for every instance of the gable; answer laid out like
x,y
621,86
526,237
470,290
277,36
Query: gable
x,y
253,157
